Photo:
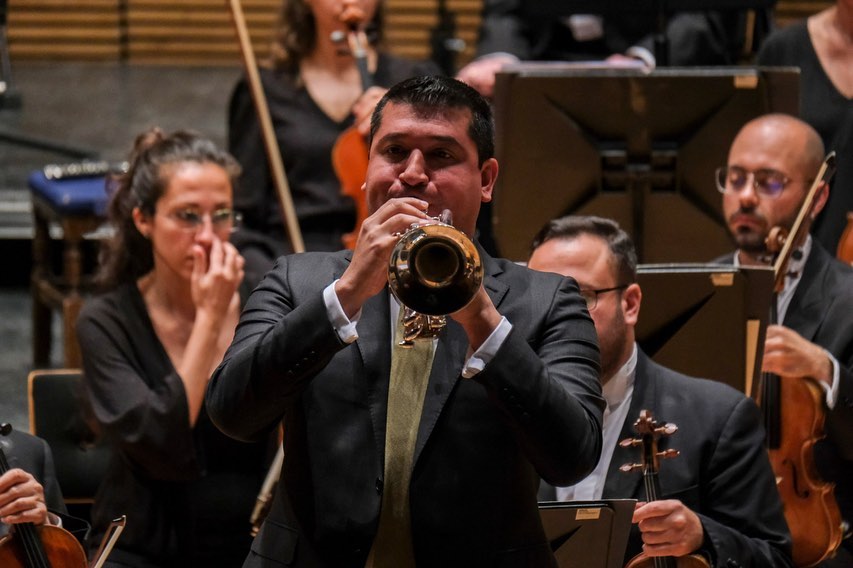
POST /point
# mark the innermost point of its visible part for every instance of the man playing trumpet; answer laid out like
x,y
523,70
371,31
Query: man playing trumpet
x,y
432,453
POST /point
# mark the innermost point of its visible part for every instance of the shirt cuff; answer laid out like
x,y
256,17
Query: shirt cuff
x,y
495,54
643,55
54,520
482,356
832,390
344,327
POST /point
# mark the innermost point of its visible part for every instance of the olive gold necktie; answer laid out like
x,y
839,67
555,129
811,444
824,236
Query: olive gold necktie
x,y
410,369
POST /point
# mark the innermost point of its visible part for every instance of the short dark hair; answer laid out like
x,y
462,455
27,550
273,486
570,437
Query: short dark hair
x,y
620,244
434,94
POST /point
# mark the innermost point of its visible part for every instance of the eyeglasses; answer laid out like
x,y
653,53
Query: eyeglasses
x,y
766,181
221,219
591,296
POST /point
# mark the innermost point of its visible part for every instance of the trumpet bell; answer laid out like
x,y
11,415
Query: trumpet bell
x,y
435,269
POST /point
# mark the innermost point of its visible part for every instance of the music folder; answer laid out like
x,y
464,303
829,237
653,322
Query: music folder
x,y
588,534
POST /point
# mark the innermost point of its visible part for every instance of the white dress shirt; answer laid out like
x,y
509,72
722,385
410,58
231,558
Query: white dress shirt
x,y
617,392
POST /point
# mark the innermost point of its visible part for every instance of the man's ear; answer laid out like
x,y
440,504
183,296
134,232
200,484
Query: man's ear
x,y
488,177
632,297
821,197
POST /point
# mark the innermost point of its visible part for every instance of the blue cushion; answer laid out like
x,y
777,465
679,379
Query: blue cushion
x,y
72,196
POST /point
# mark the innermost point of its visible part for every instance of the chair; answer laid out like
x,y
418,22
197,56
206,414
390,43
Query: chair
x,y
57,416
76,205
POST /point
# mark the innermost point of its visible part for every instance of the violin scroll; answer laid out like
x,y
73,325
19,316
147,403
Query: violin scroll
x,y
650,431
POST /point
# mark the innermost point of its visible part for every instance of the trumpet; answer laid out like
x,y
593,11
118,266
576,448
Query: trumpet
x,y
434,270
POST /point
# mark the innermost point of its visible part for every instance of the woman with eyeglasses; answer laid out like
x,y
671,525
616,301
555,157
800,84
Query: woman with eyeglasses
x,y
149,344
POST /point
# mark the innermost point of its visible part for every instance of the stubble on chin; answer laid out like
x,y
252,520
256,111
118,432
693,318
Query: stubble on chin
x,y
750,242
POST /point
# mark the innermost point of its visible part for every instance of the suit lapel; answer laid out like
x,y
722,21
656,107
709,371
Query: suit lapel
x,y
374,347
450,356
805,313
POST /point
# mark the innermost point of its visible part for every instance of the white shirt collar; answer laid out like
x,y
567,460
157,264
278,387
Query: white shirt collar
x,y
617,388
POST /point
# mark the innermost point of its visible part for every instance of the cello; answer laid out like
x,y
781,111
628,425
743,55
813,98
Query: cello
x,y
809,503
31,546
650,431
349,154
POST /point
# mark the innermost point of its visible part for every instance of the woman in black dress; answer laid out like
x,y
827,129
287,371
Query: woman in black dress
x,y
149,345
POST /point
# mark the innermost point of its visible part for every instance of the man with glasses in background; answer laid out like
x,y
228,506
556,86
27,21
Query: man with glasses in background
x,y
772,164
718,498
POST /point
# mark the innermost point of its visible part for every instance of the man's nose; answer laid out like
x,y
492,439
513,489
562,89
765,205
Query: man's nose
x,y
414,172
748,196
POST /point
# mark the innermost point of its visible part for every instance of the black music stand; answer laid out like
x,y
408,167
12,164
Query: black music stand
x,y
588,534
706,320
640,148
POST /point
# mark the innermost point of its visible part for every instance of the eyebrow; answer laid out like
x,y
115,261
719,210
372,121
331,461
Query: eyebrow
x,y
398,136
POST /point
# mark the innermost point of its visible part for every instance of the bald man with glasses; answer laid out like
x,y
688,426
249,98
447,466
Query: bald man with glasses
x,y
718,498
780,155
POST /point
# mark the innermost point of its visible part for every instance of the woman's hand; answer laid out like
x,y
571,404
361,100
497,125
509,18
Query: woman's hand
x,y
216,277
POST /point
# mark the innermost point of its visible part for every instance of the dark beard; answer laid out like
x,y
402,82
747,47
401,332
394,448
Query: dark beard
x,y
751,244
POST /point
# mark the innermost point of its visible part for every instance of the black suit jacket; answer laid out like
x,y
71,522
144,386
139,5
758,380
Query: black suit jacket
x,y
513,26
722,472
821,310
482,443
33,455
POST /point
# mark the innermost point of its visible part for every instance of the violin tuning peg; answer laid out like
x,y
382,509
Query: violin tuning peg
x,y
670,453
630,442
667,429
629,467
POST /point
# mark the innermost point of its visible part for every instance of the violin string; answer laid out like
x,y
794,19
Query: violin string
x,y
32,551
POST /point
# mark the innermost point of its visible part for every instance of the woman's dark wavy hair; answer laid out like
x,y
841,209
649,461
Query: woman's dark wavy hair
x,y
296,34
128,255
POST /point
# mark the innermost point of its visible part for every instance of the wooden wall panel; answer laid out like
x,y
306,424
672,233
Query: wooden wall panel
x,y
409,23
63,29
789,11
195,31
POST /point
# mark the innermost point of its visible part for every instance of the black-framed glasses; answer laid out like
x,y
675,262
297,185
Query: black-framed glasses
x,y
591,296
765,181
222,219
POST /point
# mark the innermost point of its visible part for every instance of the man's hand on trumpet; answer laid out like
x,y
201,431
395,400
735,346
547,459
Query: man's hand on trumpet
x,y
366,275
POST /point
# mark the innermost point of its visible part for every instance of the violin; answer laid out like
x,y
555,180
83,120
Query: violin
x,y
845,245
31,546
650,431
809,503
349,154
